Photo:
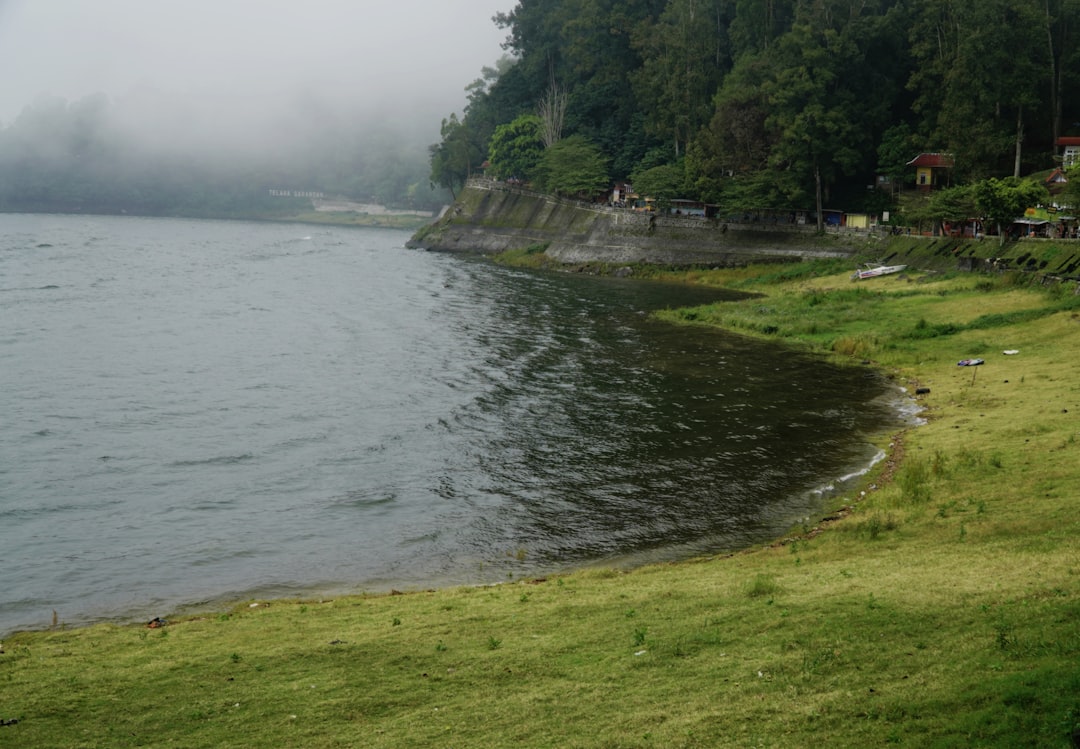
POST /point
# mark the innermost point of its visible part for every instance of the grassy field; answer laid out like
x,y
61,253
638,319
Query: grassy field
x,y
937,606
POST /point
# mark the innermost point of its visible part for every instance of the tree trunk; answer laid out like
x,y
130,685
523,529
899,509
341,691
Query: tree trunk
x,y
1019,140
817,197
1055,77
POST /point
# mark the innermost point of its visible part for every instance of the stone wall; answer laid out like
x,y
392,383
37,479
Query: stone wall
x,y
492,217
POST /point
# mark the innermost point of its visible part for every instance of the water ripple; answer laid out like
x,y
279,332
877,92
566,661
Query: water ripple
x,y
196,410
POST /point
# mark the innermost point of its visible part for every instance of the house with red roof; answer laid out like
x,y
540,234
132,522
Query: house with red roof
x,y
1070,154
932,170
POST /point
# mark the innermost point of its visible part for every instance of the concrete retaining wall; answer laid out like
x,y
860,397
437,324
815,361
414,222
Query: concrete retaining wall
x,y
491,217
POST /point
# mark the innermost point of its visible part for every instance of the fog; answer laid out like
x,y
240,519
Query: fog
x,y
249,73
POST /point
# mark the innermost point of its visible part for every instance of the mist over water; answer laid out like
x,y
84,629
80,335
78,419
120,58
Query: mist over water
x,y
197,411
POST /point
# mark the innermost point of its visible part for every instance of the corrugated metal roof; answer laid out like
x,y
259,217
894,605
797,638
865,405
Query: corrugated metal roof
x,y
932,160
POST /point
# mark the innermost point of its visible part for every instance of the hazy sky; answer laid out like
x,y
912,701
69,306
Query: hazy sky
x,y
248,55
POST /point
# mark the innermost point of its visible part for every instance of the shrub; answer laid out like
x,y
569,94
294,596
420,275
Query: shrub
x,y
924,330
762,585
913,480
857,346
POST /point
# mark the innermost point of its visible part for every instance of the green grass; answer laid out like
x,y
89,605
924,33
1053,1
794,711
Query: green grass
x,y
938,606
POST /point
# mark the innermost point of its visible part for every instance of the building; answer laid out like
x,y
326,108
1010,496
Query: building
x,y
1070,154
932,170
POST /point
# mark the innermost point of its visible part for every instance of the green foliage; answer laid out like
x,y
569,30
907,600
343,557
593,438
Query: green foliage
x,y
685,55
924,330
952,204
785,104
573,167
975,63
895,150
1072,188
516,148
1003,200
661,182
456,156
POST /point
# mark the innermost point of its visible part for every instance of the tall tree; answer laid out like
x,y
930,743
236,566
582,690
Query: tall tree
x,y
1062,17
685,56
736,141
818,121
758,23
978,67
454,159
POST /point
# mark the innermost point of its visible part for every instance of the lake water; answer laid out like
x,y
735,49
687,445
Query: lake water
x,y
196,411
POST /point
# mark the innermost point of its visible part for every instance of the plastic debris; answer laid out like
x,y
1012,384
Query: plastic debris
x,y
969,362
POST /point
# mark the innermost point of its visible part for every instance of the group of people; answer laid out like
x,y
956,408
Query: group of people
x,y
1064,231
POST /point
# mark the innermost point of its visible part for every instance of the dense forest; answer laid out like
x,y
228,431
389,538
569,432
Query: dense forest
x,y
98,156
770,103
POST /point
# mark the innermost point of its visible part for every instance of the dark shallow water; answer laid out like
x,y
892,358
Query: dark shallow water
x,y
196,411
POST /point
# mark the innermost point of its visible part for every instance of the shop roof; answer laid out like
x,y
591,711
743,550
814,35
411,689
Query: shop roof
x,y
942,160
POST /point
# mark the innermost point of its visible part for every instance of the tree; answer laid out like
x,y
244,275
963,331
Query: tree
x,y
455,157
894,152
758,23
516,148
1071,195
573,166
736,140
820,131
664,183
949,204
1004,200
1063,53
552,113
794,101
976,77
953,204
684,57
586,46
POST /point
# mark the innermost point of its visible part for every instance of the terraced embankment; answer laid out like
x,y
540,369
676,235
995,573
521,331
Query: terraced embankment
x,y
492,218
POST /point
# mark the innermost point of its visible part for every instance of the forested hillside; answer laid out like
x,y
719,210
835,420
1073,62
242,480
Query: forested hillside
x,y
755,103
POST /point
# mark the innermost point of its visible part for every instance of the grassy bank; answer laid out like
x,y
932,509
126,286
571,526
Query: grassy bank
x,y
938,606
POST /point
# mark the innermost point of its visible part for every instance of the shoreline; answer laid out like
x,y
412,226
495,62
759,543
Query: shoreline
x,y
941,608
826,511
822,495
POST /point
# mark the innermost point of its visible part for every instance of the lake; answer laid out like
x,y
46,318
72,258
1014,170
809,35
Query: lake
x,y
197,412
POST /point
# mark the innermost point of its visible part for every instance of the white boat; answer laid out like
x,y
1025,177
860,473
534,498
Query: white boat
x,y
871,270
